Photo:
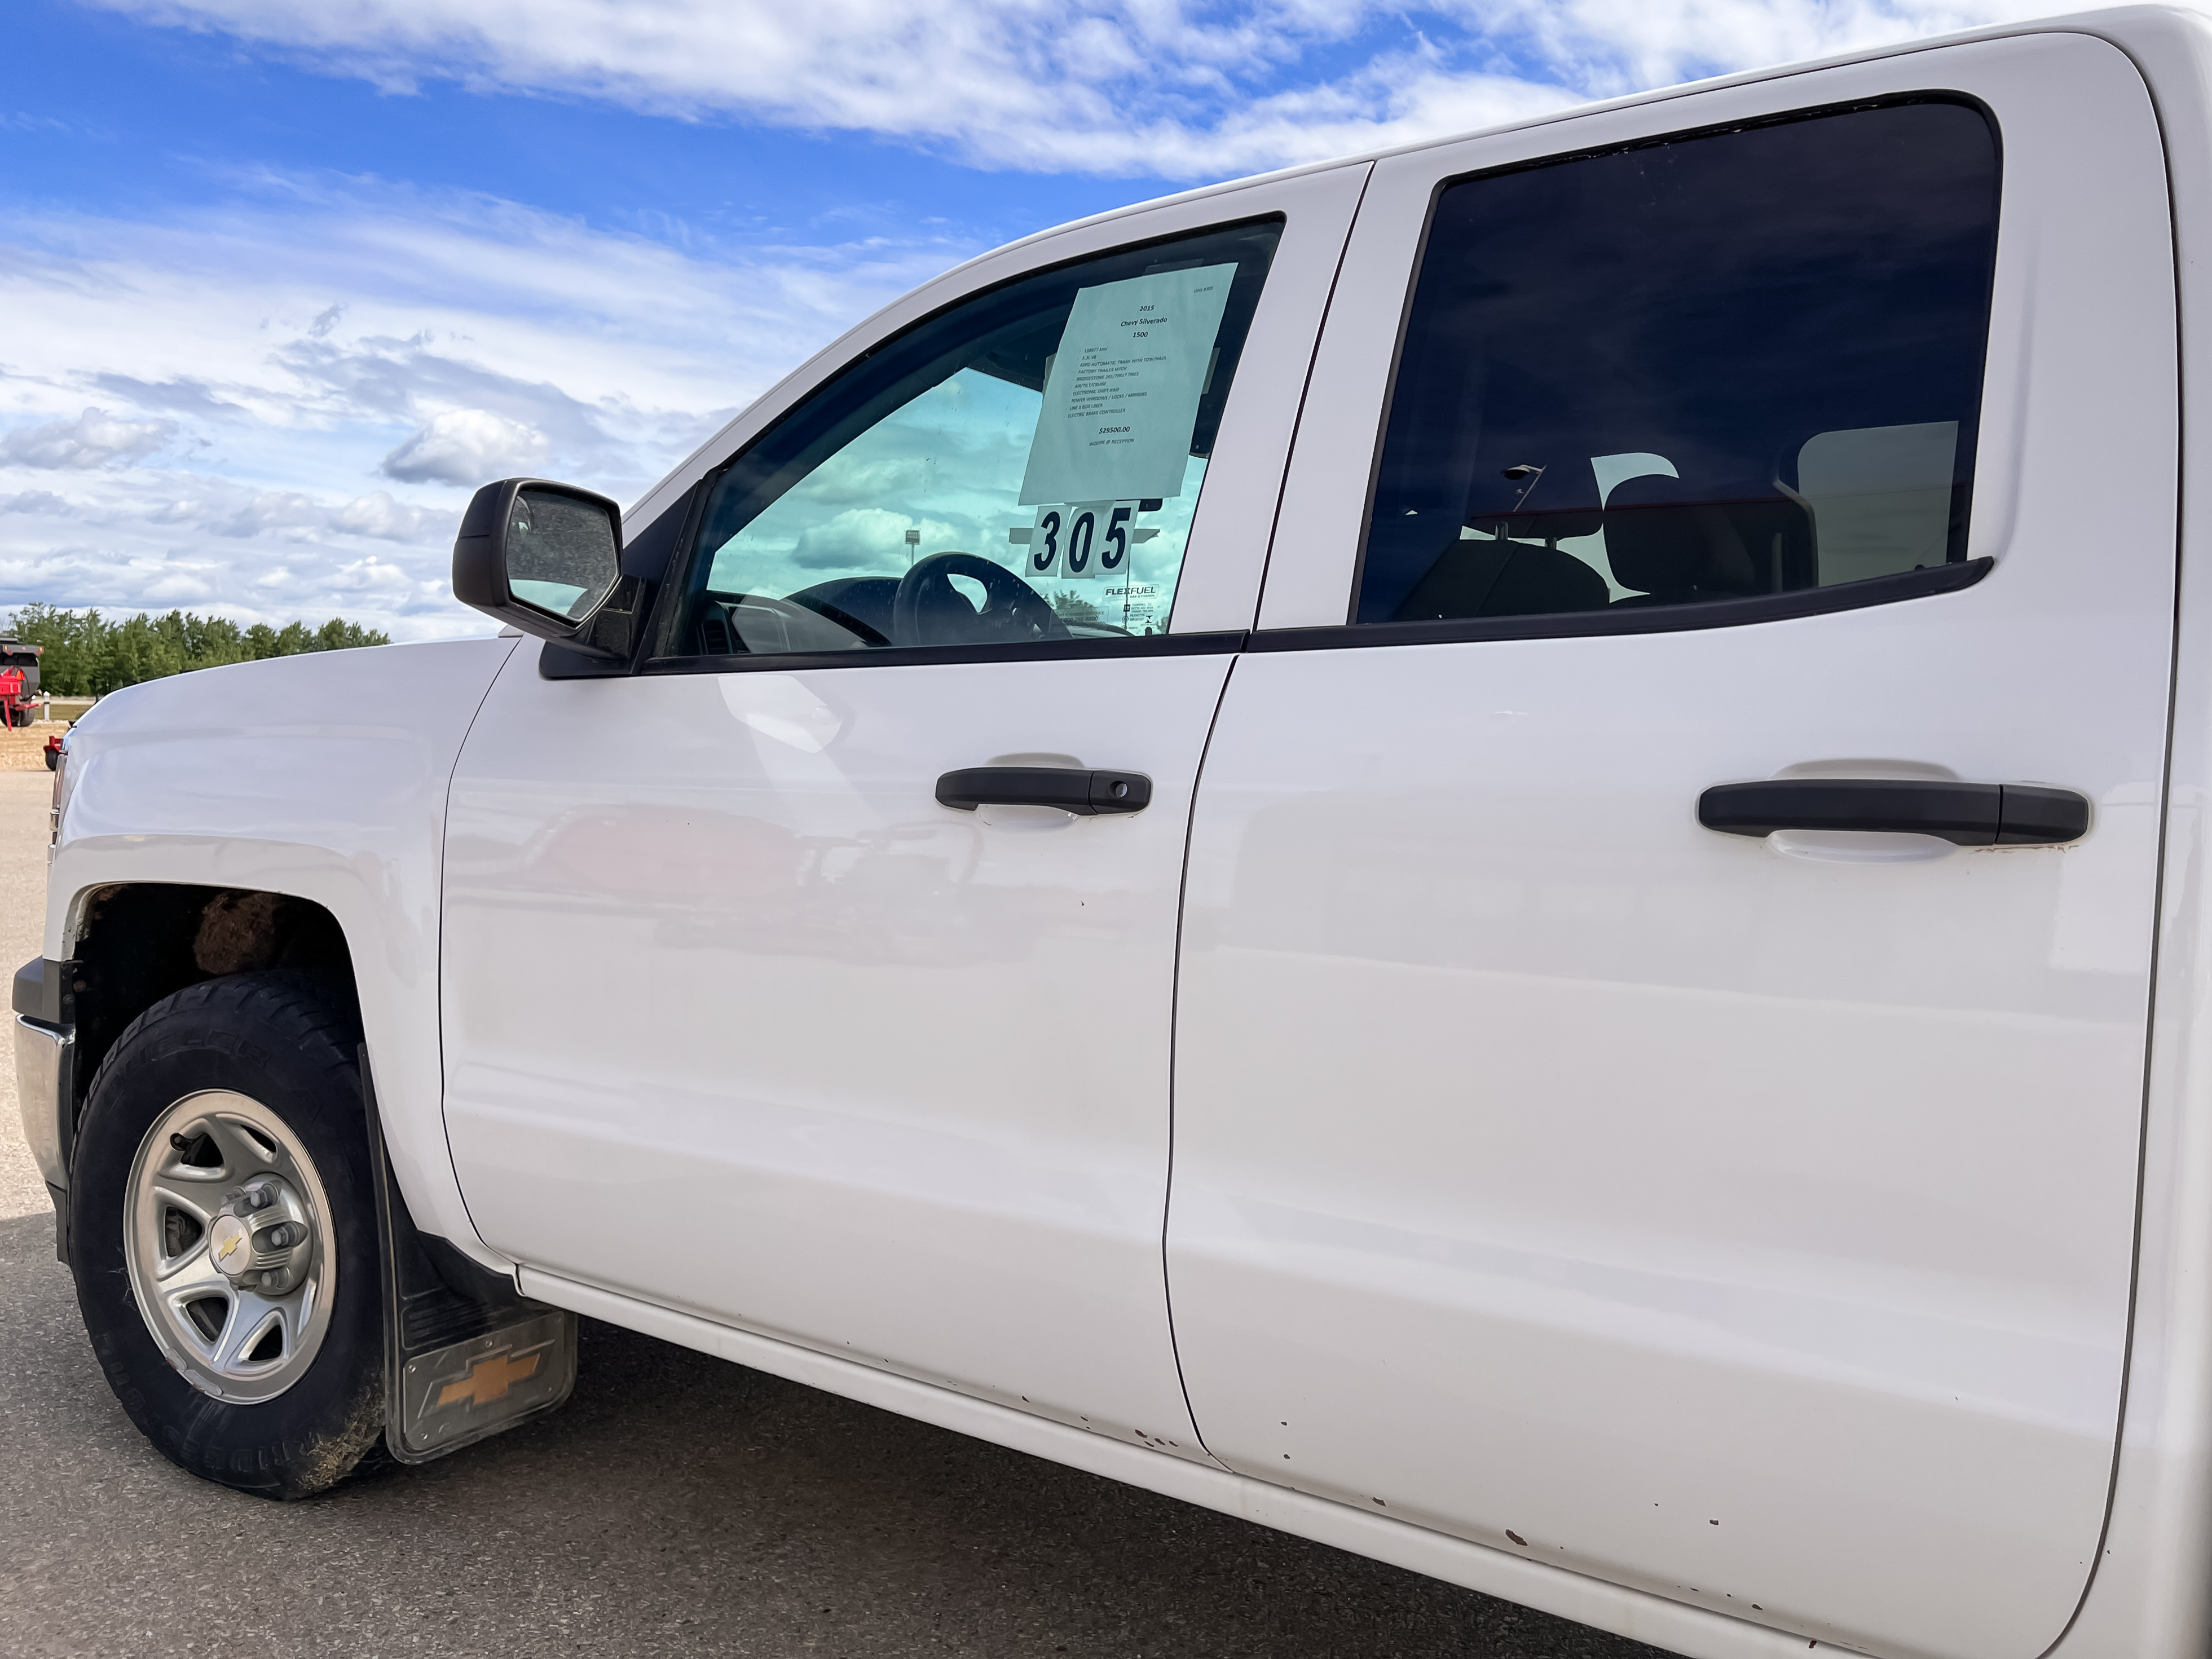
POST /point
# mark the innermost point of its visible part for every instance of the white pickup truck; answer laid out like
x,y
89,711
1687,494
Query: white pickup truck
x,y
1496,852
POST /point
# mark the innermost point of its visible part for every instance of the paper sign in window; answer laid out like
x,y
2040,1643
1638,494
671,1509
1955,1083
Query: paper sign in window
x,y
1121,397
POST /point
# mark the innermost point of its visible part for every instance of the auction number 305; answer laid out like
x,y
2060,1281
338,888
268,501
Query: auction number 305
x,y
1068,544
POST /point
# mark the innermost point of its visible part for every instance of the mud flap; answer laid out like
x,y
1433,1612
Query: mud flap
x,y
465,1355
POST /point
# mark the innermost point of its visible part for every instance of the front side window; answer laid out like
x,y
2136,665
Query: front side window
x,y
1022,468
1712,368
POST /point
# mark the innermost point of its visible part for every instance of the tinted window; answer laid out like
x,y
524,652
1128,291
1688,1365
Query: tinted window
x,y
1019,469
1722,365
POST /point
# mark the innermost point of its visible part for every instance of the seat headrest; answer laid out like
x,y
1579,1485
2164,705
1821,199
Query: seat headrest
x,y
1653,538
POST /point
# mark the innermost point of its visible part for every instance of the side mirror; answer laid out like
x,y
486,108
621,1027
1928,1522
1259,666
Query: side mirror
x,y
540,556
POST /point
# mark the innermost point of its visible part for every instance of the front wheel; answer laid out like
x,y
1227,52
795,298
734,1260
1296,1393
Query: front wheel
x,y
223,1234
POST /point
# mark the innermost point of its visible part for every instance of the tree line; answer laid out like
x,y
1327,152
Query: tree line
x,y
87,655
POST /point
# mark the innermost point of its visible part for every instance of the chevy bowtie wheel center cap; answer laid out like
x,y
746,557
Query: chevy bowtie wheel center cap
x,y
231,1245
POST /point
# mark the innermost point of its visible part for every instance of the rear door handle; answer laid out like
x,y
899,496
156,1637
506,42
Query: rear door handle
x,y
1968,814
1070,788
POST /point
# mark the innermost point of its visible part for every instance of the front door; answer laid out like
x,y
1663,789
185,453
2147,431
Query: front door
x,y
1747,1218
746,1014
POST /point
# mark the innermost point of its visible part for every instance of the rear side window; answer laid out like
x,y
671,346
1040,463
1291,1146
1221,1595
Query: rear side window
x,y
1712,368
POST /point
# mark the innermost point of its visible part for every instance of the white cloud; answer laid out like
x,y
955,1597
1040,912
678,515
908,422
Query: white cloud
x,y
860,537
34,501
297,396
1169,87
1608,47
468,446
95,437
377,514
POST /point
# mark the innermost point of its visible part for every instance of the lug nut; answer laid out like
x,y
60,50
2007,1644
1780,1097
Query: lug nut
x,y
283,1236
259,1198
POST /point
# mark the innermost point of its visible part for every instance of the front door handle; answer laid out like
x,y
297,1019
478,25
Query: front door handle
x,y
1070,788
1968,814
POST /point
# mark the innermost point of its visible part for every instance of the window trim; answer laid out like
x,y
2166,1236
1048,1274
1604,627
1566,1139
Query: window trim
x,y
683,556
937,656
1555,628
1925,582
1930,581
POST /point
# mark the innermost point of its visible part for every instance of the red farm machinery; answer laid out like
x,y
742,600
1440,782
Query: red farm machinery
x,y
19,681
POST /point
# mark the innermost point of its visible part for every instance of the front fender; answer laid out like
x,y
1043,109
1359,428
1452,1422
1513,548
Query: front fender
x,y
323,776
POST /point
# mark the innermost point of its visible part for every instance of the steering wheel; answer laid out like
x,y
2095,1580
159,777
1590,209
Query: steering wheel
x,y
927,610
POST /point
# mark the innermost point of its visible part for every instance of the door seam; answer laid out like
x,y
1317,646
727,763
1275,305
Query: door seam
x,y
2151,997
1175,1020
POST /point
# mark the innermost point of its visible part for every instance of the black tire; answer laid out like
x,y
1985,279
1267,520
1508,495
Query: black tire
x,y
271,1037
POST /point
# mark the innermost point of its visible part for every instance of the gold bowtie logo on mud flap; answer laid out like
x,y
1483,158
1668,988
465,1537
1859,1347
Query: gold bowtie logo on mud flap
x,y
489,1379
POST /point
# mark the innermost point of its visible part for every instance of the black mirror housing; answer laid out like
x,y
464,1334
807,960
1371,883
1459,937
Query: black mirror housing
x,y
542,556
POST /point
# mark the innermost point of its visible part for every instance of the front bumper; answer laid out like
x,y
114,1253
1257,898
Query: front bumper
x,y
46,1045
43,1053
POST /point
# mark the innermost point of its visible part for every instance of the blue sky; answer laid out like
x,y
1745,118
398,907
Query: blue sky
x,y
281,280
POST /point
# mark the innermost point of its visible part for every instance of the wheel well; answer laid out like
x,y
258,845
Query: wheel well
x,y
140,942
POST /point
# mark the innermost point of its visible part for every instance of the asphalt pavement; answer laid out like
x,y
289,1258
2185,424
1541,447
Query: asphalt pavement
x,y
678,1505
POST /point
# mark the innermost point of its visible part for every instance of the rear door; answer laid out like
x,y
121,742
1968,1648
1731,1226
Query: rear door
x,y
1746,1219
